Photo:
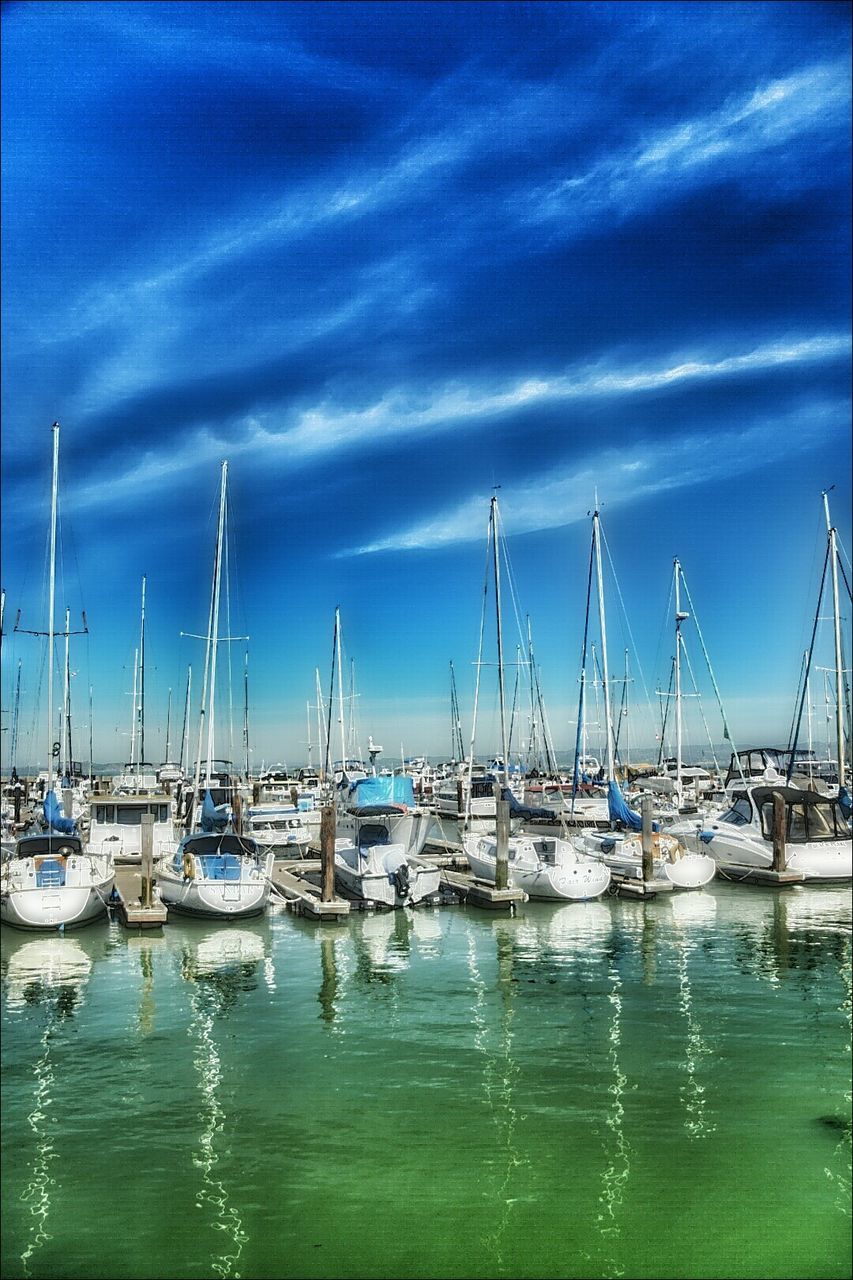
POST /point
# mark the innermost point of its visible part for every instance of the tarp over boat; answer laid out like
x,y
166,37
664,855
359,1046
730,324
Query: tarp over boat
x,y
55,818
384,789
618,809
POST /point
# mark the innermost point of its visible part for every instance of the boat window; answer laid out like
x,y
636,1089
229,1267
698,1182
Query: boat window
x,y
372,833
797,828
739,814
104,813
129,816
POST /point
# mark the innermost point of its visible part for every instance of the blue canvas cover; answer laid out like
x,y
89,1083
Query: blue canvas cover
x,y
844,801
213,817
54,817
383,790
618,809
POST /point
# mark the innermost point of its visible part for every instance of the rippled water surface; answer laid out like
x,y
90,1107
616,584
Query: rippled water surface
x,y
600,1089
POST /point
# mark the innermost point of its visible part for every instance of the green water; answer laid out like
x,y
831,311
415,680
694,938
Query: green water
x,y
600,1089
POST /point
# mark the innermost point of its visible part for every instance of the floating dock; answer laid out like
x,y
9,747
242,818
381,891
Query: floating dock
x,y
132,911
760,875
297,882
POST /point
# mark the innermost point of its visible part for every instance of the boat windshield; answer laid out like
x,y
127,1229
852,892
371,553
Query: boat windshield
x,y
739,814
807,823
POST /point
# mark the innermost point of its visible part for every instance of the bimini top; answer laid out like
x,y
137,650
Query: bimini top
x,y
227,842
791,795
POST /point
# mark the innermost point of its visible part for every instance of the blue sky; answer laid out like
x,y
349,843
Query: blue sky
x,y
383,257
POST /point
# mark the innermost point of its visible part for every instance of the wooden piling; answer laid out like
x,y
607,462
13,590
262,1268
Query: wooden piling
x,y
647,839
327,852
256,793
459,805
294,797
17,803
147,860
779,862
67,800
502,844
237,812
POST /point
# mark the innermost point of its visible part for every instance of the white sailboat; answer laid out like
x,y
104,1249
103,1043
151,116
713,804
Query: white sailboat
x,y
215,872
48,880
543,866
377,850
621,848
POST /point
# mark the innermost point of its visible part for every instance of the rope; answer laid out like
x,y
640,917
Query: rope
x,y
808,665
726,732
701,712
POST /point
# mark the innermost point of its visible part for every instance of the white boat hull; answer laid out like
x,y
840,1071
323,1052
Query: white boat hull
x,y
385,874
228,899
55,907
624,856
571,876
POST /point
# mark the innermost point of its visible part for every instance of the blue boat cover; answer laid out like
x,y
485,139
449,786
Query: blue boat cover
x,y
54,817
706,836
213,817
844,801
382,790
618,809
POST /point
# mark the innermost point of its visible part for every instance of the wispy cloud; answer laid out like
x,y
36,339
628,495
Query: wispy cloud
x,y
621,477
405,413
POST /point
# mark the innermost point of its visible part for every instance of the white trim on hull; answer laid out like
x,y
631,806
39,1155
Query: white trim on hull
x,y
34,906
198,895
544,867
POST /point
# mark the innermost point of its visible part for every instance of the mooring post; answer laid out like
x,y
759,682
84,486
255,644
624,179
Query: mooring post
x,y
459,809
502,847
67,801
237,813
147,858
647,838
327,851
256,792
779,859
17,803
294,797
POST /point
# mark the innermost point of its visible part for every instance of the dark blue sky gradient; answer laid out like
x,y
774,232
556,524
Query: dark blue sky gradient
x,y
383,257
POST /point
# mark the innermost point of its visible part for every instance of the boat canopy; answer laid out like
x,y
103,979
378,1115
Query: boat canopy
x,y
383,789
226,842
49,844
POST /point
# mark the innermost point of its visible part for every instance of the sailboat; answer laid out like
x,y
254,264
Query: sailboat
x,y
215,872
377,854
621,848
543,866
48,880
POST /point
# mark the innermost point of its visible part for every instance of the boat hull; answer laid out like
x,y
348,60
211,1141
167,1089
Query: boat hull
x,y
215,898
56,908
571,878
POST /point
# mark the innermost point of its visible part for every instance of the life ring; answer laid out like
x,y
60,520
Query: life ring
x,y
188,865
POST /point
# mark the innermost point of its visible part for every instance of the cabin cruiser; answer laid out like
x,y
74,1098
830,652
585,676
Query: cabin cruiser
x,y
377,869
389,799
285,829
137,779
115,825
817,832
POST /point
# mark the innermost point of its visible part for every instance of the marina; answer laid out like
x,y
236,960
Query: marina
x,y
419,1092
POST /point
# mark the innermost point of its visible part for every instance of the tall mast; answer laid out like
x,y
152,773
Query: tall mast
x,y
51,603
133,719
66,704
497,569
809,717
169,726
319,714
246,708
142,677
679,616
534,741
308,722
91,735
217,578
611,772
340,692
207,648
13,752
839,664
185,724
328,753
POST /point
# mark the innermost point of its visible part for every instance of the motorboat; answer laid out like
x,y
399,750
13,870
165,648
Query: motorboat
x,y
379,870
543,866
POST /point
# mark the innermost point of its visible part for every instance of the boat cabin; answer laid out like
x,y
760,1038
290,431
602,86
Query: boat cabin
x,y
809,816
115,824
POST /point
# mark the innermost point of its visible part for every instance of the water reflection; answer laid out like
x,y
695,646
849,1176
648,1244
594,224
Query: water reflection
x,y
50,973
789,934
500,1073
221,965
690,913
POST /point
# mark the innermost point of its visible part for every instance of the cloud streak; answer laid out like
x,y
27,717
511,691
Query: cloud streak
x,y
621,476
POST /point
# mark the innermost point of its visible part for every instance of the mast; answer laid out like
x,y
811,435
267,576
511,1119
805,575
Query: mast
x,y
497,570
51,604
168,724
13,753
185,724
331,695
457,745
308,722
839,663
319,711
66,704
133,718
210,633
611,773
679,786
142,678
340,693
246,709
91,731
534,739
217,578
809,720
